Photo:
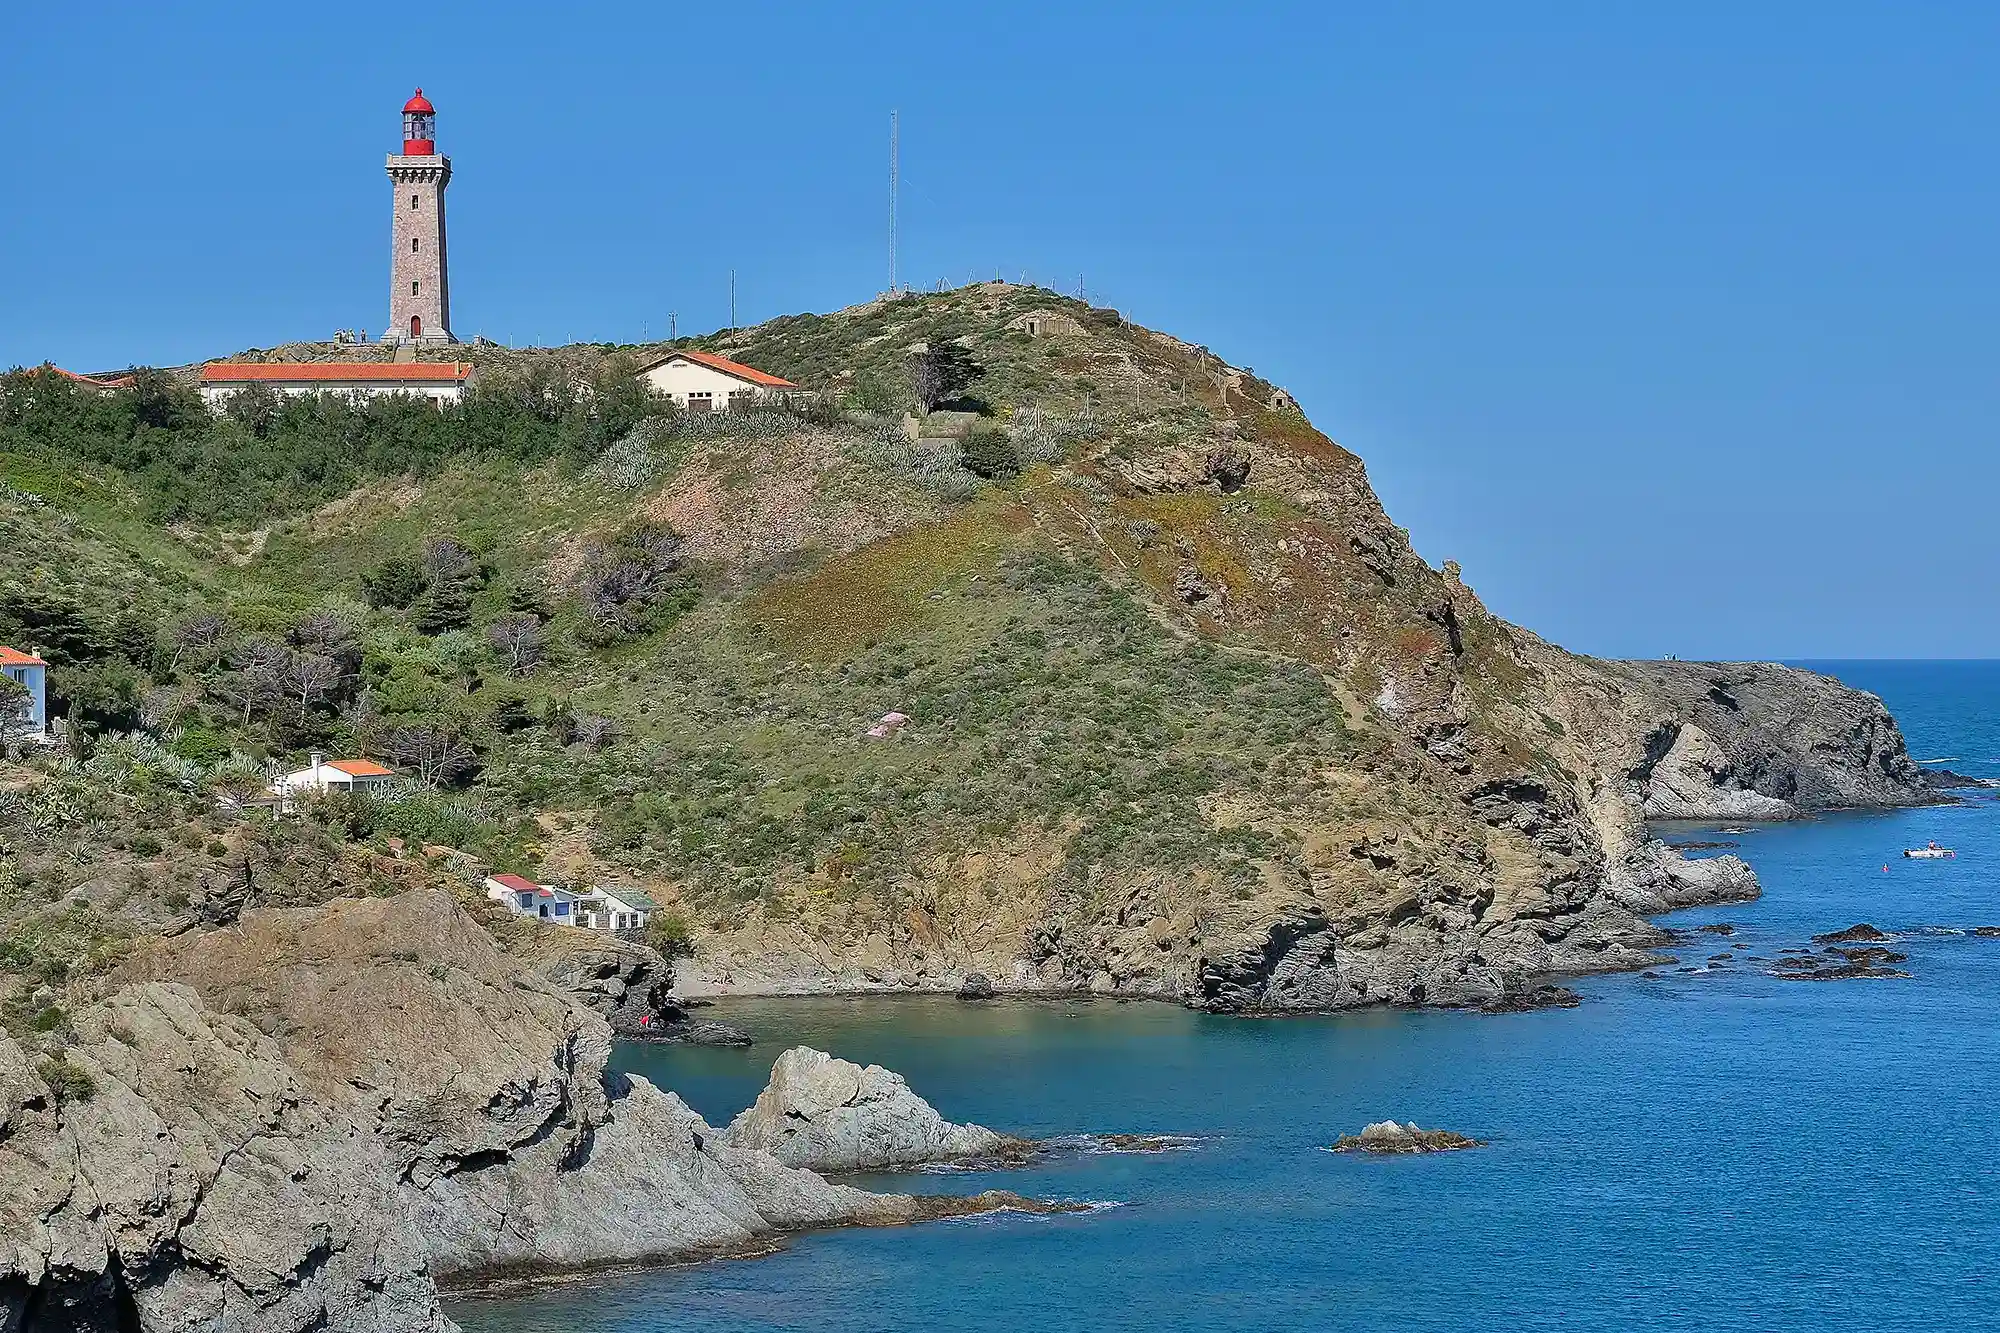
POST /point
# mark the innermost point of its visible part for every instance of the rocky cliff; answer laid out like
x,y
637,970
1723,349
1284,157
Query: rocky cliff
x,y
308,1120
1457,811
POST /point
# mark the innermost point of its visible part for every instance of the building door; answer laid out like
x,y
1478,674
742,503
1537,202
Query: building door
x,y
416,326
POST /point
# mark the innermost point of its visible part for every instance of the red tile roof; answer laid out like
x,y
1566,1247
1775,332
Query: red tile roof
x,y
727,367
361,768
95,381
15,657
516,883
342,372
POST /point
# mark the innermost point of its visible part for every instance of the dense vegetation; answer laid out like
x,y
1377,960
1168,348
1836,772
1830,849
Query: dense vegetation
x,y
597,637
271,454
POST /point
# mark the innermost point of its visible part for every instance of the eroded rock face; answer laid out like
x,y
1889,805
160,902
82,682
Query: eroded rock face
x,y
1758,741
305,1121
833,1115
198,1187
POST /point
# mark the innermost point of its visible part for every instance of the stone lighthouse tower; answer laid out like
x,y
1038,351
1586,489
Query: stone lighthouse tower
x,y
419,282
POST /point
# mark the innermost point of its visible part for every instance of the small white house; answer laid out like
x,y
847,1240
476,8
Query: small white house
x,y
29,671
323,776
439,381
539,902
614,909
705,382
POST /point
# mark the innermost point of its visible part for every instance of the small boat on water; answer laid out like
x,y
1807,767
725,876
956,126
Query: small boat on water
x,y
1930,853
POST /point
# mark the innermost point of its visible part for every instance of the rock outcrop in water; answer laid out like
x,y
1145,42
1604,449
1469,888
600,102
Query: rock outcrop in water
x,y
830,1114
308,1120
1389,1138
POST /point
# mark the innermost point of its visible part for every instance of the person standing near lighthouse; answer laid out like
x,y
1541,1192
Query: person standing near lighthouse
x,y
419,282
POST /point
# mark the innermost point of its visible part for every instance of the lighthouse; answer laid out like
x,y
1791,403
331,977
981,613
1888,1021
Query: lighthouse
x,y
419,282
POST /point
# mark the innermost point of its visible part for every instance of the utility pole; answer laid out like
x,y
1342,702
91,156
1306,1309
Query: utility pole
x,y
895,164
673,325
732,298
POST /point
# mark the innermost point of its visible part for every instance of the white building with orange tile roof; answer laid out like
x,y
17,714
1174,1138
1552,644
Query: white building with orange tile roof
x,y
705,382
323,776
439,381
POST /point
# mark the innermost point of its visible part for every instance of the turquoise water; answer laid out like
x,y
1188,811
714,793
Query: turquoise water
x,y
1718,1146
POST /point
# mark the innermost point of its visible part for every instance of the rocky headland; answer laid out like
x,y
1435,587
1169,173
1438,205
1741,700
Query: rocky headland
x,y
313,1118
1183,716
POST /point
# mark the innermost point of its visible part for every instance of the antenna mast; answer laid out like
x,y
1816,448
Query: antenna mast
x,y
895,157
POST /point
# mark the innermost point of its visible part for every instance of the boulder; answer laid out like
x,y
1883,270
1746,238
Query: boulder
x,y
976,986
829,1114
1856,934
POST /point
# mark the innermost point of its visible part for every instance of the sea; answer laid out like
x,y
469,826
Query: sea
x,y
1711,1146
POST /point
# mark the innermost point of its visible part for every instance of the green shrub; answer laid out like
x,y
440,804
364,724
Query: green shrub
x,y
218,848
203,745
990,454
67,1080
669,934
144,845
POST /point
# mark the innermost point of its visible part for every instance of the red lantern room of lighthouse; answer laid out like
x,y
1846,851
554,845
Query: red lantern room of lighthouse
x,y
419,126
419,279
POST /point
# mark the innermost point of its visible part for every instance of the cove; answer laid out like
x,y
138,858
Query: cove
x,y
1716,1144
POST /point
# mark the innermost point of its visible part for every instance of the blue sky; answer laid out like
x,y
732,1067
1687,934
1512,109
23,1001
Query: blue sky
x,y
1675,325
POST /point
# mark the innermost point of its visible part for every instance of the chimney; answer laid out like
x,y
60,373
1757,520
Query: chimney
x,y
319,759
35,650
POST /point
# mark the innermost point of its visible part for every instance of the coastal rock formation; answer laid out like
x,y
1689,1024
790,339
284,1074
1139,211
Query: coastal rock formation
x,y
1840,964
1389,1138
830,1114
1759,741
307,1120
630,985
1860,933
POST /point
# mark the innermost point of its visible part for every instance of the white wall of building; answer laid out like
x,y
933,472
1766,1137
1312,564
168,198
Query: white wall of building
x,y
215,395
682,379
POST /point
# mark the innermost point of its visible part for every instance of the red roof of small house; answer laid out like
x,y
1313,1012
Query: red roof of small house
x,y
727,367
419,105
361,768
516,883
338,372
94,381
15,657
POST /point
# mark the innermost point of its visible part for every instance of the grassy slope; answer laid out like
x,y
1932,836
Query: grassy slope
x,y
1088,754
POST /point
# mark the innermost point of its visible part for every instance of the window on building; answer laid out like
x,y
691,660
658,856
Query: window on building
x,y
414,284
416,244
413,202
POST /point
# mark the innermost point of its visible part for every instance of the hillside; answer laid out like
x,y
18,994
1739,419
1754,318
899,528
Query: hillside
x,y
1182,716
1188,716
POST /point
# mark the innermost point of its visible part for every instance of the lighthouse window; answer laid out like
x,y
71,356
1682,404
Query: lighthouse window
x,y
415,244
413,201
413,286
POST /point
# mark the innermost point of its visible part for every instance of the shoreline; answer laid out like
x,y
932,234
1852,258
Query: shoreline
x,y
705,989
